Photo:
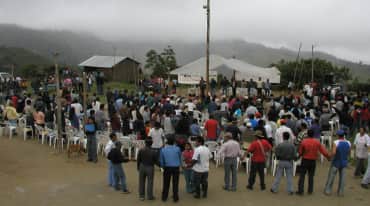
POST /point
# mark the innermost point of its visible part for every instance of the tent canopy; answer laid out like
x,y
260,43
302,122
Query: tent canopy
x,y
226,67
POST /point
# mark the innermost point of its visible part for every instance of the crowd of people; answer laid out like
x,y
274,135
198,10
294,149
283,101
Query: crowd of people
x,y
177,129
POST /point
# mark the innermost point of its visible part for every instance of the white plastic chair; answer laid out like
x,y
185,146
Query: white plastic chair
x,y
11,128
212,146
126,145
26,129
40,132
138,144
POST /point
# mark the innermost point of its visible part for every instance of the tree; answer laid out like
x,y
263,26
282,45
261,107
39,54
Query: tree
x,y
322,68
161,64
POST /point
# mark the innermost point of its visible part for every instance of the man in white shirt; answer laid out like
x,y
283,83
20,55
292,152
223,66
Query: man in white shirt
x,y
201,167
157,135
190,106
366,179
108,147
281,130
78,108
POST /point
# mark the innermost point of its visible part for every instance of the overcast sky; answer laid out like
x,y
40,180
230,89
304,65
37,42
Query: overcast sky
x,y
340,27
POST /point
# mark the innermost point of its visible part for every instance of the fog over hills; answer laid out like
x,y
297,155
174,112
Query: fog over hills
x,y
76,47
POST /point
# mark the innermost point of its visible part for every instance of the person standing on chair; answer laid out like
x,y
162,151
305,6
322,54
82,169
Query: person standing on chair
x,y
286,153
230,151
309,151
340,153
90,131
170,161
201,168
146,160
259,148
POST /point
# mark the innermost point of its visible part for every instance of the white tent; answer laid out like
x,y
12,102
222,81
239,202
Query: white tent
x,y
192,72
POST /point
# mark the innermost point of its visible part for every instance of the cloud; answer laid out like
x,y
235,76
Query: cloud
x,y
337,26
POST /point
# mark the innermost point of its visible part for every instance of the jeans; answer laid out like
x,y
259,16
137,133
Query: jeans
x,y
146,173
201,180
111,181
169,172
260,168
307,166
230,169
119,176
288,167
92,147
366,178
188,174
360,167
329,183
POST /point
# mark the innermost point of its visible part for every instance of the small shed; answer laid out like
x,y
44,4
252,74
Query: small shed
x,y
115,68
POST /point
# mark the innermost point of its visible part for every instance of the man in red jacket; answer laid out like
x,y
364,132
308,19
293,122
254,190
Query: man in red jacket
x,y
259,148
309,151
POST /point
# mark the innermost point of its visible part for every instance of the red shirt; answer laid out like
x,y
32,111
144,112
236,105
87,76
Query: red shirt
x,y
256,149
211,127
310,148
187,156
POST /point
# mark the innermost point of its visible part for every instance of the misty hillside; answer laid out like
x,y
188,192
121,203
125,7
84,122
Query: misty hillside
x,y
19,57
74,48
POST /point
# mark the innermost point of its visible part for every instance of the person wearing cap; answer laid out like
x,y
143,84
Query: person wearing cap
x,y
230,151
259,148
281,130
309,151
146,160
286,153
340,153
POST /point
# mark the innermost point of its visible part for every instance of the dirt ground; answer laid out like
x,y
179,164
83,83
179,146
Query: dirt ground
x,y
33,174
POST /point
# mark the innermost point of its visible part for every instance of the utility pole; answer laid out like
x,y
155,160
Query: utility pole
x,y
58,100
312,66
207,7
296,67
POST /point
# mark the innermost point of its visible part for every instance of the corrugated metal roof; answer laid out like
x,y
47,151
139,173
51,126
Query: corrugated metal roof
x,y
103,61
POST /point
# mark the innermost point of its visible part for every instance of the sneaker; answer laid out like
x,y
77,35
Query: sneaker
x,y
290,193
225,188
272,191
151,198
141,199
249,187
197,196
327,193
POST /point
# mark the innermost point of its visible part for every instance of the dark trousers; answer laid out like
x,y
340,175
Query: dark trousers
x,y
92,147
146,174
360,167
257,167
169,172
307,166
201,180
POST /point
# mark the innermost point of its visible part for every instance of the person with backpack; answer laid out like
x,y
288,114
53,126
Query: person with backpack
x,y
116,157
259,148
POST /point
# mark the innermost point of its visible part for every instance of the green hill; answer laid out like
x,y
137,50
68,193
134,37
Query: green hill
x,y
21,58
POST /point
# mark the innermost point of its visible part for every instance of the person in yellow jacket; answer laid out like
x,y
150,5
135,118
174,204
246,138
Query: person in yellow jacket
x,y
10,114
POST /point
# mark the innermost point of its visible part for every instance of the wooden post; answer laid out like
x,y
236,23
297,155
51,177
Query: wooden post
x,y
208,39
59,103
84,97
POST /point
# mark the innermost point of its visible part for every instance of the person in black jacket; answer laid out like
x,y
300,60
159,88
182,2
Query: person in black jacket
x,y
146,160
116,157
